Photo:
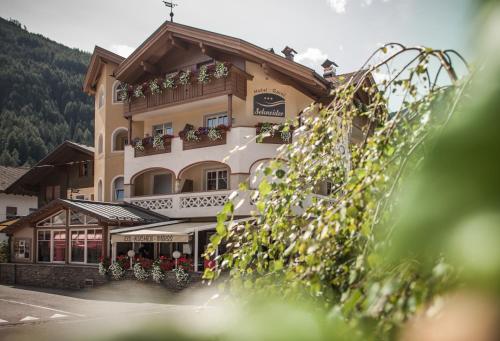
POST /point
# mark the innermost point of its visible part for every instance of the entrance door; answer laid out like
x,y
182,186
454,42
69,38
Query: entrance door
x,y
145,250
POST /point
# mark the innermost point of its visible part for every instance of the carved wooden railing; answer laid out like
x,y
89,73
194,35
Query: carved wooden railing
x,y
235,83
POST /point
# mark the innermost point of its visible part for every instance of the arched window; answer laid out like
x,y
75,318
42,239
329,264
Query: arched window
x,y
119,139
100,143
99,191
100,99
117,90
118,189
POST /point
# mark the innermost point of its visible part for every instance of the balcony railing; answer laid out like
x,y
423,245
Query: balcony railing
x,y
235,83
199,204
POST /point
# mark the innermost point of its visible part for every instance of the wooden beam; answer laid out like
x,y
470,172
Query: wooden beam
x,y
130,130
149,68
176,42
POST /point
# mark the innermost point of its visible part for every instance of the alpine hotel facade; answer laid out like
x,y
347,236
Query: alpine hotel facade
x,y
175,134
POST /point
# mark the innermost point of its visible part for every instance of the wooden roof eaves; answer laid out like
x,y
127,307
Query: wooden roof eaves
x,y
99,57
47,160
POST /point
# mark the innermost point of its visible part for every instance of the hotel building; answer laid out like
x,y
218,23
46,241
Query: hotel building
x,y
175,134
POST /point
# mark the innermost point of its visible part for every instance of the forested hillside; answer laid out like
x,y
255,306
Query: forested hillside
x,y
41,98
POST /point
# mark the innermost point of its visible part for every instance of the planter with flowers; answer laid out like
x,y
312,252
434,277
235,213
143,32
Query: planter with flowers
x,y
142,268
158,144
274,133
193,138
104,264
118,268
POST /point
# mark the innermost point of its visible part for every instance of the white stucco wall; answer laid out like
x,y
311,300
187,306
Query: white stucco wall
x,y
22,202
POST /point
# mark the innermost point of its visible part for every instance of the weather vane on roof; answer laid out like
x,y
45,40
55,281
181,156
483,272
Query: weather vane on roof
x,y
171,4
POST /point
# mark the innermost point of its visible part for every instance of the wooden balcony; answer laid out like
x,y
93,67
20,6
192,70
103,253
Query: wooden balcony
x,y
235,83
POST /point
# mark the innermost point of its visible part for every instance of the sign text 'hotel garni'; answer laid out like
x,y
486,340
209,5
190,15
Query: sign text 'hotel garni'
x,y
269,102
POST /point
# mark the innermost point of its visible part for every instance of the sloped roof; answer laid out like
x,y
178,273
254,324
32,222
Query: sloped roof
x,y
66,152
116,212
10,174
99,58
120,214
168,30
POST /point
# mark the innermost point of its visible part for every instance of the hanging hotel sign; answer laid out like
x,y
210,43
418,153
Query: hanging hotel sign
x,y
150,238
269,102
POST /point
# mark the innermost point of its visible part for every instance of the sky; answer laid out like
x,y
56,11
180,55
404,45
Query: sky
x,y
345,31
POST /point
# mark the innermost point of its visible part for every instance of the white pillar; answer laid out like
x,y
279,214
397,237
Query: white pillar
x,y
195,250
113,252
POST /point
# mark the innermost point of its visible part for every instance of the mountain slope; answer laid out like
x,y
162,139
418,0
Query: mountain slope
x,y
41,98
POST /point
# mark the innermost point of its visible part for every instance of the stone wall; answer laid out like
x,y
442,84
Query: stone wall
x,y
50,276
71,276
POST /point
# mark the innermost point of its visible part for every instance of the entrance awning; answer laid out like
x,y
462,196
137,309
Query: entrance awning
x,y
174,231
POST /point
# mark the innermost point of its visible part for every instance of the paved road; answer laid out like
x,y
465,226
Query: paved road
x,y
29,313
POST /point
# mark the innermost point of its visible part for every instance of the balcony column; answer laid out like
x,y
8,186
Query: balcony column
x,y
230,109
129,130
196,250
127,191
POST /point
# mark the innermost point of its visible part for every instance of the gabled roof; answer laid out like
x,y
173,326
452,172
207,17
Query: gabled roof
x,y
10,174
65,153
99,57
118,214
169,35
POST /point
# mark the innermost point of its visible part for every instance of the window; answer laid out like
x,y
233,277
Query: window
x,y
163,129
99,190
120,140
329,187
52,192
117,91
22,249
44,246
86,245
118,191
84,169
10,212
59,246
77,246
51,246
215,120
216,180
100,100
162,184
100,144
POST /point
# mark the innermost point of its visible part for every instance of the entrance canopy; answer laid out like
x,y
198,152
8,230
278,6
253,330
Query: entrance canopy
x,y
174,231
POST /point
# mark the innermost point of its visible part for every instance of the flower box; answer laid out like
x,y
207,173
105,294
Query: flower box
x,y
203,137
150,146
275,135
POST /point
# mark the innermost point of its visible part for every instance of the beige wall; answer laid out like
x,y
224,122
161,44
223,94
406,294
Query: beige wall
x,y
109,164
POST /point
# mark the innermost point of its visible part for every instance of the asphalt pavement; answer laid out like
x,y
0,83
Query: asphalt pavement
x,y
45,314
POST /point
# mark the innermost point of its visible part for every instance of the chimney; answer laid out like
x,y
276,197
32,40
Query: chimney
x,y
329,69
289,52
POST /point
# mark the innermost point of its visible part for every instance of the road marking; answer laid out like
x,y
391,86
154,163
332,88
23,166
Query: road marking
x,y
56,316
41,307
3,321
29,318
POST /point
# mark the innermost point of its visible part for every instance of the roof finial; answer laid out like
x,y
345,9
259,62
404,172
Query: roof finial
x,y
171,4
